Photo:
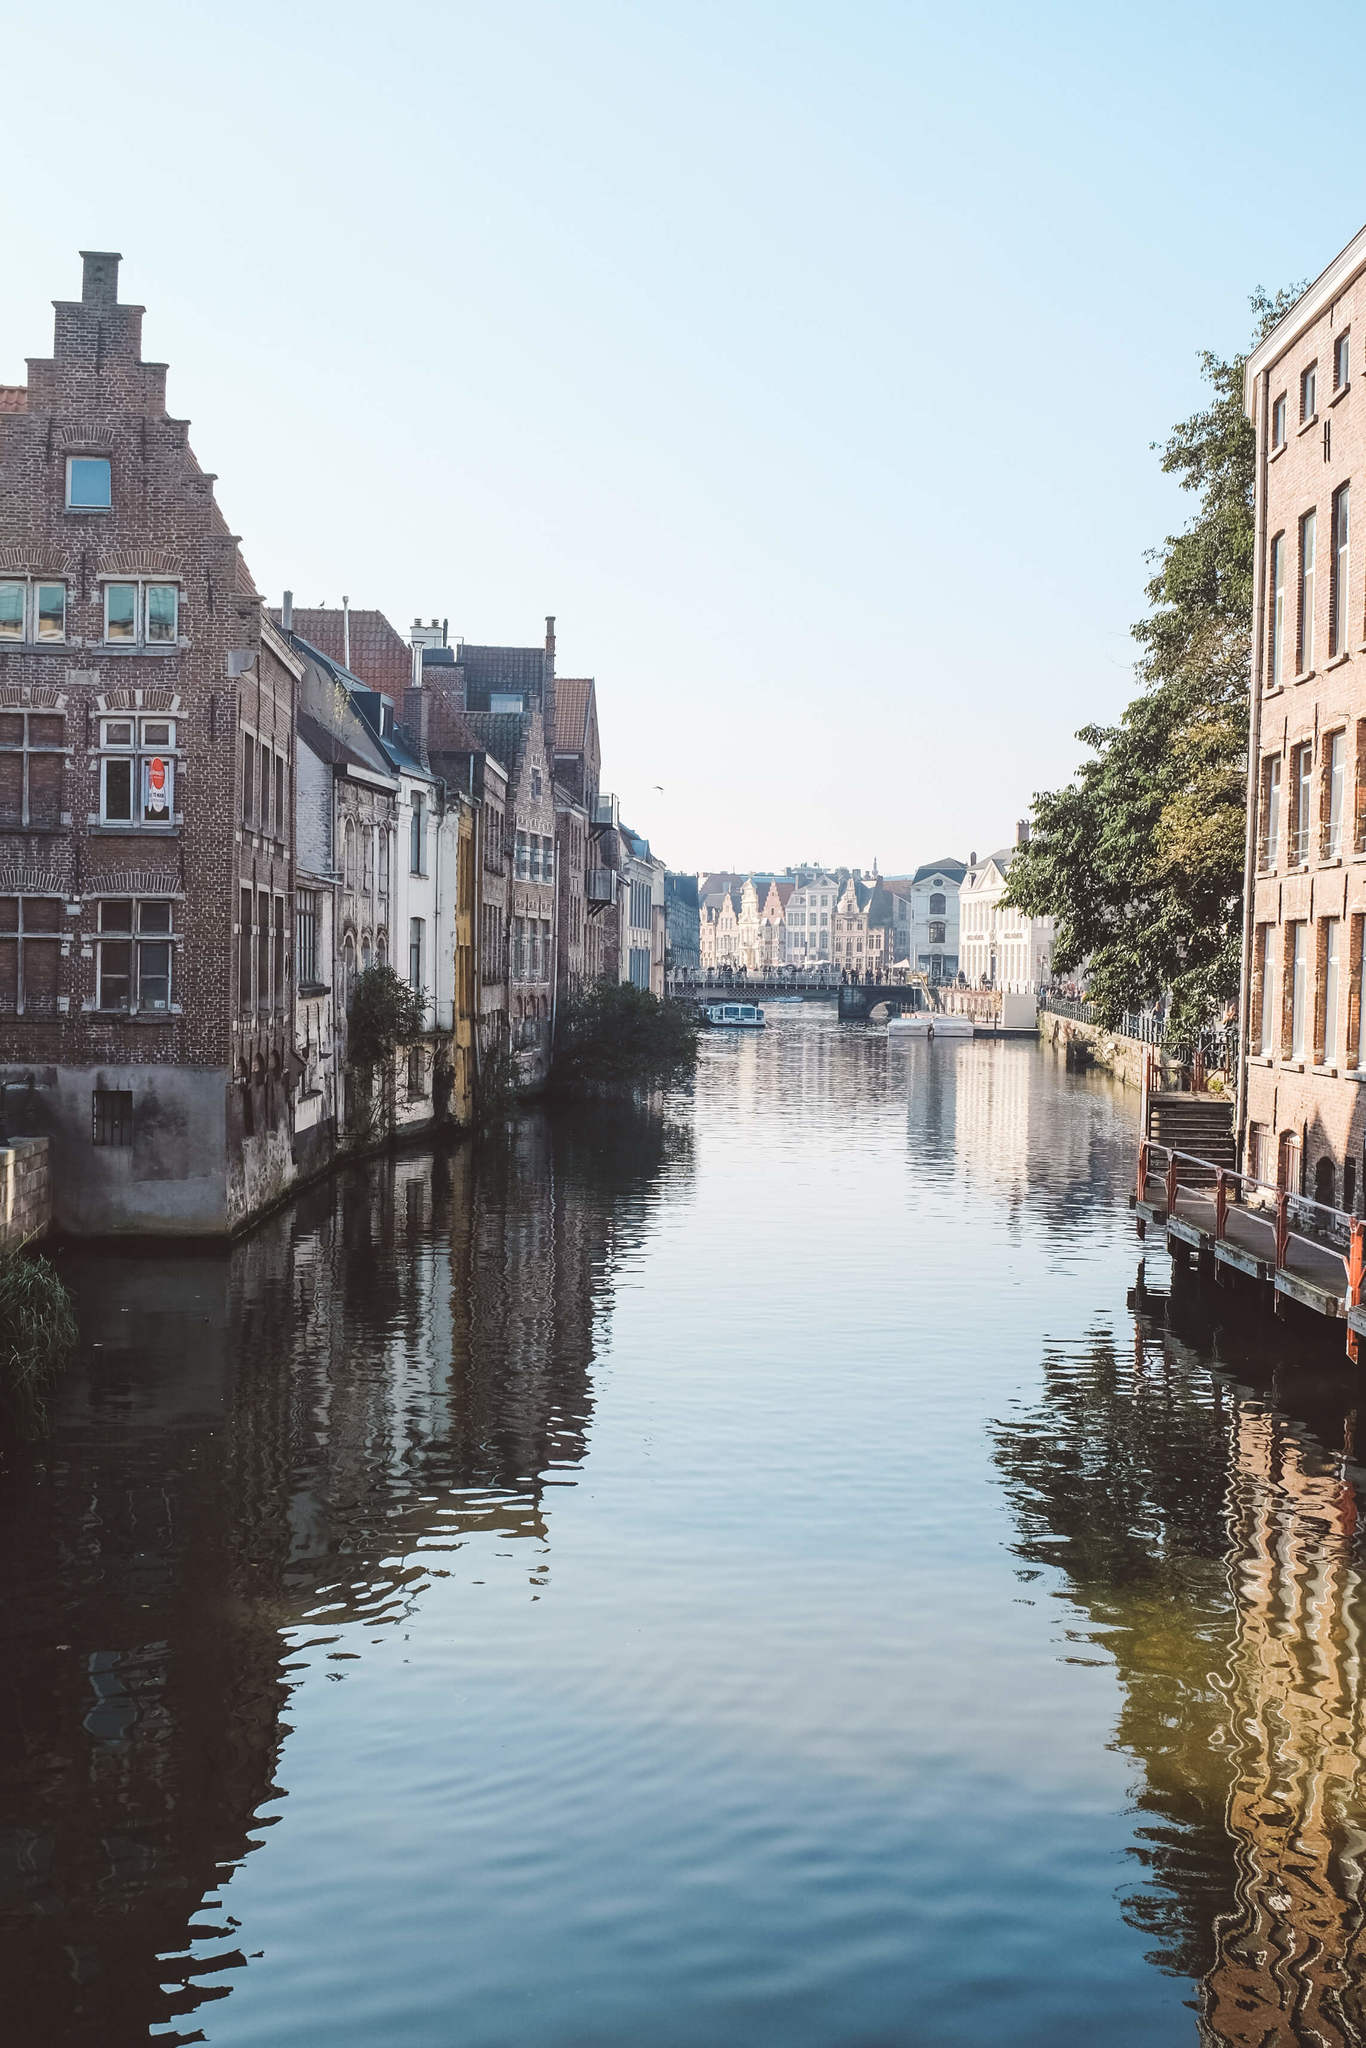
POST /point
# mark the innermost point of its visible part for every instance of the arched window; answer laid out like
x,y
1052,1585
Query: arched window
x,y
368,863
382,946
349,854
938,904
365,955
349,967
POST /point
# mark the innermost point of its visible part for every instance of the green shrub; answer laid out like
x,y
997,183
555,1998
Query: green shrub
x,y
613,1038
384,1014
37,1336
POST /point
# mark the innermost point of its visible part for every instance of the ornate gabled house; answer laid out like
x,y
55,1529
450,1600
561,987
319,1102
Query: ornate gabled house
x,y
492,711
146,814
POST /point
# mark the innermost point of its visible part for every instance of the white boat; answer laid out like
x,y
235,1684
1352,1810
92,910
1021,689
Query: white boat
x,y
739,1016
929,1024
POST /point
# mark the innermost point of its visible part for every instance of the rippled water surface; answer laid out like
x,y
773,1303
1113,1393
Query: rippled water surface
x,y
756,1573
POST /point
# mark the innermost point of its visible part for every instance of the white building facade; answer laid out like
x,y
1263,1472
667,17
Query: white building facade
x,y
999,947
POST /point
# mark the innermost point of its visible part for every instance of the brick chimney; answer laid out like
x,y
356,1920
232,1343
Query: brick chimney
x,y
100,277
1022,832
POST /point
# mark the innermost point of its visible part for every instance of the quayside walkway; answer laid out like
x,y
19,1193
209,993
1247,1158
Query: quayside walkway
x,y
1297,1249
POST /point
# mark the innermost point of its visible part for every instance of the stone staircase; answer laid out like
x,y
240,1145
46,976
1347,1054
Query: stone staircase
x,y
1199,1124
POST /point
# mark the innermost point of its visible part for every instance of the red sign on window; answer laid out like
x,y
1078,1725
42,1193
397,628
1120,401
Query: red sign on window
x,y
156,784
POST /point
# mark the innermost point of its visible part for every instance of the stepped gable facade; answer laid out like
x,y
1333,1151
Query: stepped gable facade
x,y
146,811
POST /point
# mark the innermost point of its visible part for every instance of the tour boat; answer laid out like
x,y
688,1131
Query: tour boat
x,y
741,1016
929,1024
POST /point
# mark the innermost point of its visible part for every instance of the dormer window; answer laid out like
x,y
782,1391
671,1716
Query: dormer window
x,y
505,704
88,483
141,614
33,611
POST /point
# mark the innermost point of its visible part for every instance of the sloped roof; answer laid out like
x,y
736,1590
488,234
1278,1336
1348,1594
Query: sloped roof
x,y
13,398
380,656
573,696
954,868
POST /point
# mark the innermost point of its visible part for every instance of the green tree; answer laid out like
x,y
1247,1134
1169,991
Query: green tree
x,y
614,1038
1140,857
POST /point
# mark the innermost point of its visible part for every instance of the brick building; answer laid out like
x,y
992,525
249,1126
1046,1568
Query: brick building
x,y
1302,1112
145,883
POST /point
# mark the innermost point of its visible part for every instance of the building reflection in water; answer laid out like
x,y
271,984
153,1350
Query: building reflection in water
x,y
1211,1543
255,1446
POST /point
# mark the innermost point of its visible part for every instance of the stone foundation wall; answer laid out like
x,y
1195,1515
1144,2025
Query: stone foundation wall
x,y
25,1192
1122,1057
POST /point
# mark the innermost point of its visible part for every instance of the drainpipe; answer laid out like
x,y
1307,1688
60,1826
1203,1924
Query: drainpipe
x,y
1254,748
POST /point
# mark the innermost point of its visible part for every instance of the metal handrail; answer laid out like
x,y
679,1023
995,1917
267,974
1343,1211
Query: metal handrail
x,y
1228,1182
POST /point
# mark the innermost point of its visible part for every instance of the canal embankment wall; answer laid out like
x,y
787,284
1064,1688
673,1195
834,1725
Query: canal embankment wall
x,y
25,1192
1120,1056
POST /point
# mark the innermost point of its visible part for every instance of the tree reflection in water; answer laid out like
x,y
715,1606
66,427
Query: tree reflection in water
x,y
292,1432
1210,1542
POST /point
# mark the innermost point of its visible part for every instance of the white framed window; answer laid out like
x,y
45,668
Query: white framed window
x,y
1305,648
137,771
141,614
1337,621
89,483
135,954
1266,1027
1342,356
1299,984
33,609
1334,790
1278,422
1309,386
1330,970
1275,666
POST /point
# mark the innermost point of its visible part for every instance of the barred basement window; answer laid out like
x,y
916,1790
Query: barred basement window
x,y
31,763
111,1116
30,954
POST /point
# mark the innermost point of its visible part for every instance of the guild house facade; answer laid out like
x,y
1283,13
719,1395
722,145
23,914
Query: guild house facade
x,y
1303,1109
146,799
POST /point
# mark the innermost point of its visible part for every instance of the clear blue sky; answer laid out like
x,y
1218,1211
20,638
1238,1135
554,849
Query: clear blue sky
x,y
803,359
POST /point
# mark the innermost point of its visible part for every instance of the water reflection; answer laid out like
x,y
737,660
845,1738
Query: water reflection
x,y
257,1452
1210,1543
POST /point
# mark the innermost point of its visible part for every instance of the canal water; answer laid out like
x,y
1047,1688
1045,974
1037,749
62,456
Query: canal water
x,y
760,1570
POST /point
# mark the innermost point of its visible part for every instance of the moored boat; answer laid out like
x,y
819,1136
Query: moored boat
x,y
929,1024
735,1016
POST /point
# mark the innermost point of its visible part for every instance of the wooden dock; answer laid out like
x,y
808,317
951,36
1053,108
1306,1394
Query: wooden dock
x,y
1296,1249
